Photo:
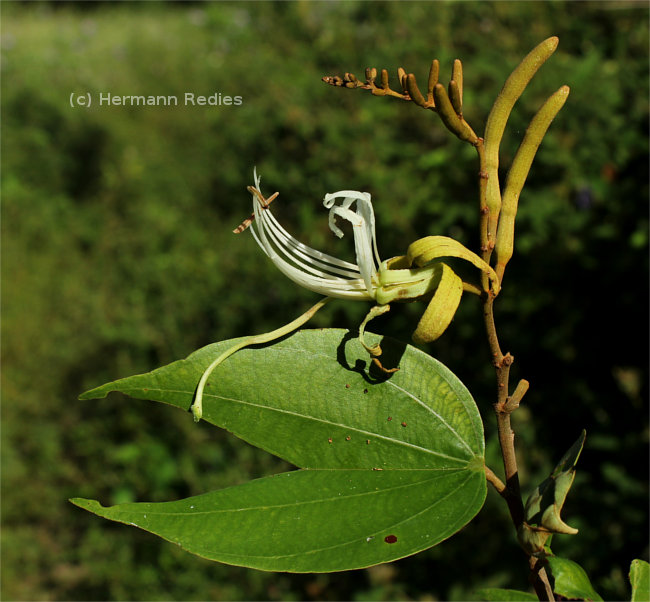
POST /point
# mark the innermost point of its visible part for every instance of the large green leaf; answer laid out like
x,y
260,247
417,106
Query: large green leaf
x,y
393,464
313,520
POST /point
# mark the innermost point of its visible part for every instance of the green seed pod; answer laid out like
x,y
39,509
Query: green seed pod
x,y
455,98
457,76
449,117
498,117
414,91
434,73
519,172
401,76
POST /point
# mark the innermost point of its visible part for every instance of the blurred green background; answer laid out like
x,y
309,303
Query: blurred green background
x,y
118,257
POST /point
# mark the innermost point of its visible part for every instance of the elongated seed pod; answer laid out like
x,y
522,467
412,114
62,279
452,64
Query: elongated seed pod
x,y
414,91
434,73
457,76
401,76
519,172
454,97
442,307
452,122
496,123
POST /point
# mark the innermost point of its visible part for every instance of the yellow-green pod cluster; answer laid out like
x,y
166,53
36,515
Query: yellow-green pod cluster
x,y
498,117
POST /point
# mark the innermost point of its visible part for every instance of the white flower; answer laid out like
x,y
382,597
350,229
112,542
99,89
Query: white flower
x,y
319,271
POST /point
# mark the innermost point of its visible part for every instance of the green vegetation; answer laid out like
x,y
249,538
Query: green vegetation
x,y
118,257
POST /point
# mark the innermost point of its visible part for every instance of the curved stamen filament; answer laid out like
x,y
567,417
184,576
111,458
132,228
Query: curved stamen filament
x,y
313,269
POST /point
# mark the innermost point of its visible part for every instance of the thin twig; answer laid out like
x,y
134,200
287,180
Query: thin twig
x,y
495,481
502,365
512,403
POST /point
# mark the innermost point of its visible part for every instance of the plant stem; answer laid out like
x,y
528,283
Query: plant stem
x,y
510,490
505,405
502,365
482,195
540,580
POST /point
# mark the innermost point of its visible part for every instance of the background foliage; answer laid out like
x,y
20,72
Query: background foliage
x,y
118,257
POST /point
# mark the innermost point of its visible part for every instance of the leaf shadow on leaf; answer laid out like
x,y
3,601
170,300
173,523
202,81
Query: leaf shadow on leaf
x,y
392,352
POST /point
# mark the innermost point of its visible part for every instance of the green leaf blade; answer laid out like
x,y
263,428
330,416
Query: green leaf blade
x,y
640,580
292,397
571,580
314,520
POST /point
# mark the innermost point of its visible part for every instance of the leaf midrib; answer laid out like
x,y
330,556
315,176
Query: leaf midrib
x,y
306,502
347,543
306,417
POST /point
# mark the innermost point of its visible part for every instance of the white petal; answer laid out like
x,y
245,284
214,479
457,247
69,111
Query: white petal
x,y
363,223
308,267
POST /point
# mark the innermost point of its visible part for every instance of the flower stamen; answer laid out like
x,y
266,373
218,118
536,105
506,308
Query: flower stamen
x,y
314,269
264,202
